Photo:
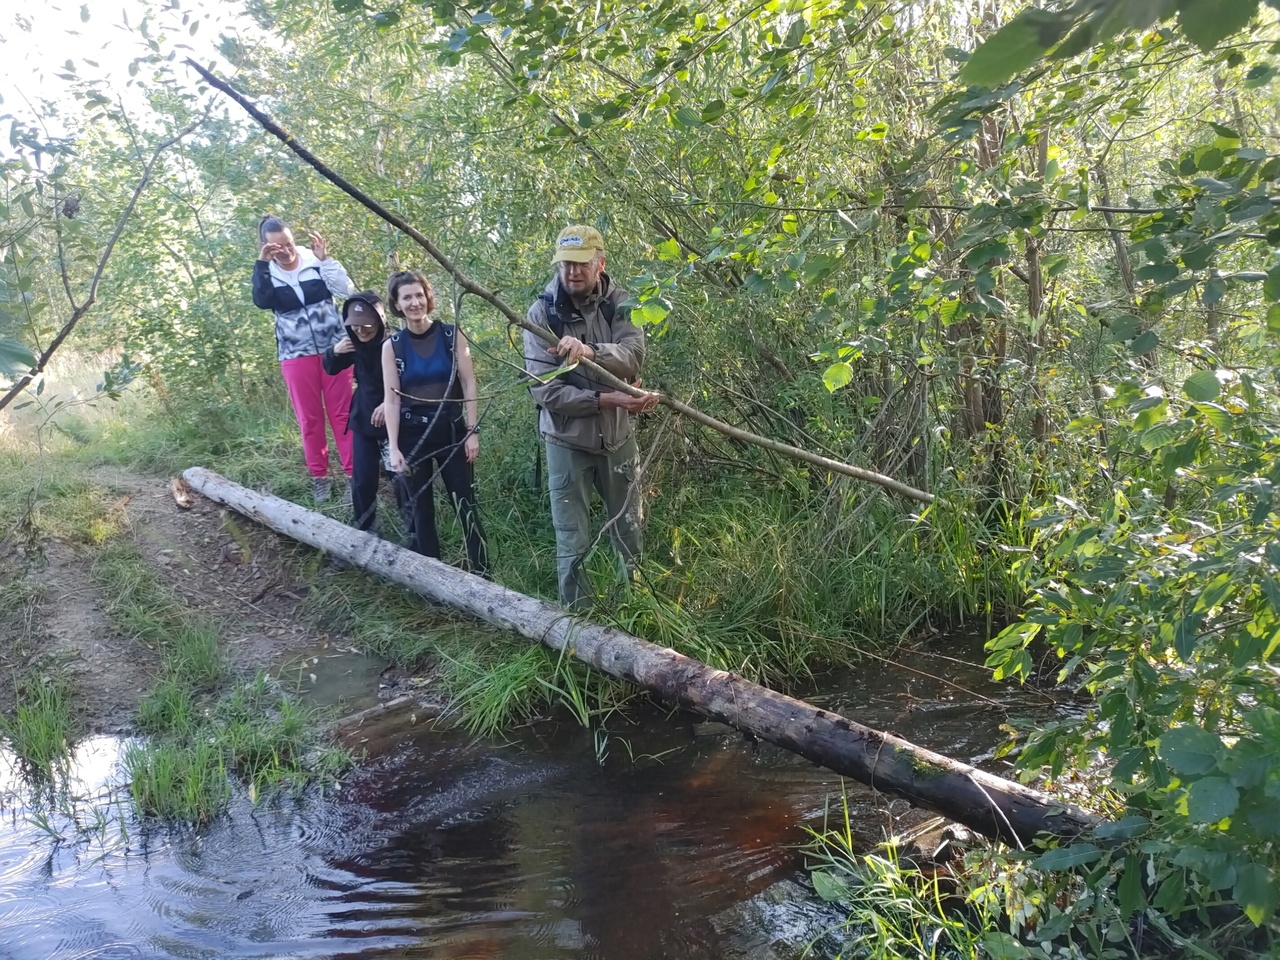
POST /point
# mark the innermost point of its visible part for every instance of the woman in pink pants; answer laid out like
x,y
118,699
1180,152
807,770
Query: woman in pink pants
x,y
299,285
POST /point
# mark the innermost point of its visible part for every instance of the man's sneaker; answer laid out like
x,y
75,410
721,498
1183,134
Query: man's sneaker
x,y
345,502
321,487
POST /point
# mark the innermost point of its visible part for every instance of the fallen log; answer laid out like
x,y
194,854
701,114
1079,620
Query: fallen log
x,y
983,802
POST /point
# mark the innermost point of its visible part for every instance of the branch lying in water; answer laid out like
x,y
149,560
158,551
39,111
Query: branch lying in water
x,y
470,286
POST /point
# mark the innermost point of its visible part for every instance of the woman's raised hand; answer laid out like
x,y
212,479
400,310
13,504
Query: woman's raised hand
x,y
268,251
319,246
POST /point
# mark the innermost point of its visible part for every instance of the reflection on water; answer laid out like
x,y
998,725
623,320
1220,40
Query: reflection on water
x,y
449,848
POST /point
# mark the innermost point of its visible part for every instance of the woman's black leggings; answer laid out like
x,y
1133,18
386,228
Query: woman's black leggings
x,y
366,456
438,449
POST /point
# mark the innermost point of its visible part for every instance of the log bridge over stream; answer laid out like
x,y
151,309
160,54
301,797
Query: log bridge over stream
x,y
991,805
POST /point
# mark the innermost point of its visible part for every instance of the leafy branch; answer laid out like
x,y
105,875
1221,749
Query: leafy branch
x,y
78,311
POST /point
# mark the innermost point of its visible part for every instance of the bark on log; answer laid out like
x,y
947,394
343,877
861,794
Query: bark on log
x,y
986,803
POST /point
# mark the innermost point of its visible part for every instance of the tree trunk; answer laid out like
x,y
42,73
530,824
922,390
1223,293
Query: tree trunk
x,y
986,803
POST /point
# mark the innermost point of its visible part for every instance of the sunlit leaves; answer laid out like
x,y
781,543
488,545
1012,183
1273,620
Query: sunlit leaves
x,y
836,376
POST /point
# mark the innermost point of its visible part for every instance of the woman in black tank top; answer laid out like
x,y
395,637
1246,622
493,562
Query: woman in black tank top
x,y
432,412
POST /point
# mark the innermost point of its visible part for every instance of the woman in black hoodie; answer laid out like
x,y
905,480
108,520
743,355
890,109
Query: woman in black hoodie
x,y
366,325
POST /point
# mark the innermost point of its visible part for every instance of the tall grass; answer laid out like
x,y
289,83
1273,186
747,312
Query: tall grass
x,y
202,732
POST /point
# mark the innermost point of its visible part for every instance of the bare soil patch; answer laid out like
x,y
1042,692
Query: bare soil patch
x,y
222,566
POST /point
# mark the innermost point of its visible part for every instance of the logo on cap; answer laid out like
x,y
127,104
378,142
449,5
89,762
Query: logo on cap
x,y
570,241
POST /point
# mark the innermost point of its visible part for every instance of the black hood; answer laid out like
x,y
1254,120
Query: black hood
x,y
360,310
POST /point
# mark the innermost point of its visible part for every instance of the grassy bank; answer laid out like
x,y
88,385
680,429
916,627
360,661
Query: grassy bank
x,y
204,724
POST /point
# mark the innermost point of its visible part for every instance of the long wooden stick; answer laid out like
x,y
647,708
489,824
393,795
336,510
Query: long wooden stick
x,y
989,804
470,286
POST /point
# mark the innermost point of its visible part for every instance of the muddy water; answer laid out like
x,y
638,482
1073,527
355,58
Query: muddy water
x,y
449,848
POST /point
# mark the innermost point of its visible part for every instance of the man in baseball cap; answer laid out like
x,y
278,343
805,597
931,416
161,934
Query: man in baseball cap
x,y
587,425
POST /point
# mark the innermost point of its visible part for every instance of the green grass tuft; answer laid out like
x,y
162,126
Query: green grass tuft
x,y
41,729
896,911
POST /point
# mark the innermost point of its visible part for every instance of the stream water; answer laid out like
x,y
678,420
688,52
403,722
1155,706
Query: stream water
x,y
446,847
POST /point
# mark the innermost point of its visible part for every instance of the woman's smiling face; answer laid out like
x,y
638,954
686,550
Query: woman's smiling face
x,y
412,301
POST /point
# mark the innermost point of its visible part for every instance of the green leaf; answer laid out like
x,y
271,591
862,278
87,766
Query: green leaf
x,y
669,250
1161,435
1211,799
836,376
1126,327
1255,892
1158,272
651,312
1271,286
1129,889
687,117
1185,635
1214,291
830,887
1124,829
713,111
1190,751
999,945
1068,858
1145,342
15,359
1216,416
1208,22
1202,386
1211,159
1011,49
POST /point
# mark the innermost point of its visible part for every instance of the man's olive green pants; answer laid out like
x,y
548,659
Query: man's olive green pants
x,y
571,476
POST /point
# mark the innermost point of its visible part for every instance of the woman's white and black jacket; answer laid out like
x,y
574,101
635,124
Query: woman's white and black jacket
x,y
307,322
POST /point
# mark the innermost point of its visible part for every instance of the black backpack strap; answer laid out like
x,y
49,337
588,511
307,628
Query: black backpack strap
x,y
554,323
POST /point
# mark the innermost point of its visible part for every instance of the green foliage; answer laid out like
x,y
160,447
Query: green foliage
x,y
896,910
1166,610
1073,27
42,729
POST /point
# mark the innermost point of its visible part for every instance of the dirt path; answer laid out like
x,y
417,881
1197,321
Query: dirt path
x,y
221,566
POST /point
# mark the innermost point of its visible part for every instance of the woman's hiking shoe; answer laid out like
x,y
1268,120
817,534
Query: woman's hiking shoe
x,y
321,487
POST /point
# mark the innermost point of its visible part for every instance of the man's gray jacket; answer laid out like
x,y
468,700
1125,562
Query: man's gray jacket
x,y
571,414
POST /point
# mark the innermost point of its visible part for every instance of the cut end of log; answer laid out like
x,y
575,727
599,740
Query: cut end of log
x,y
181,493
